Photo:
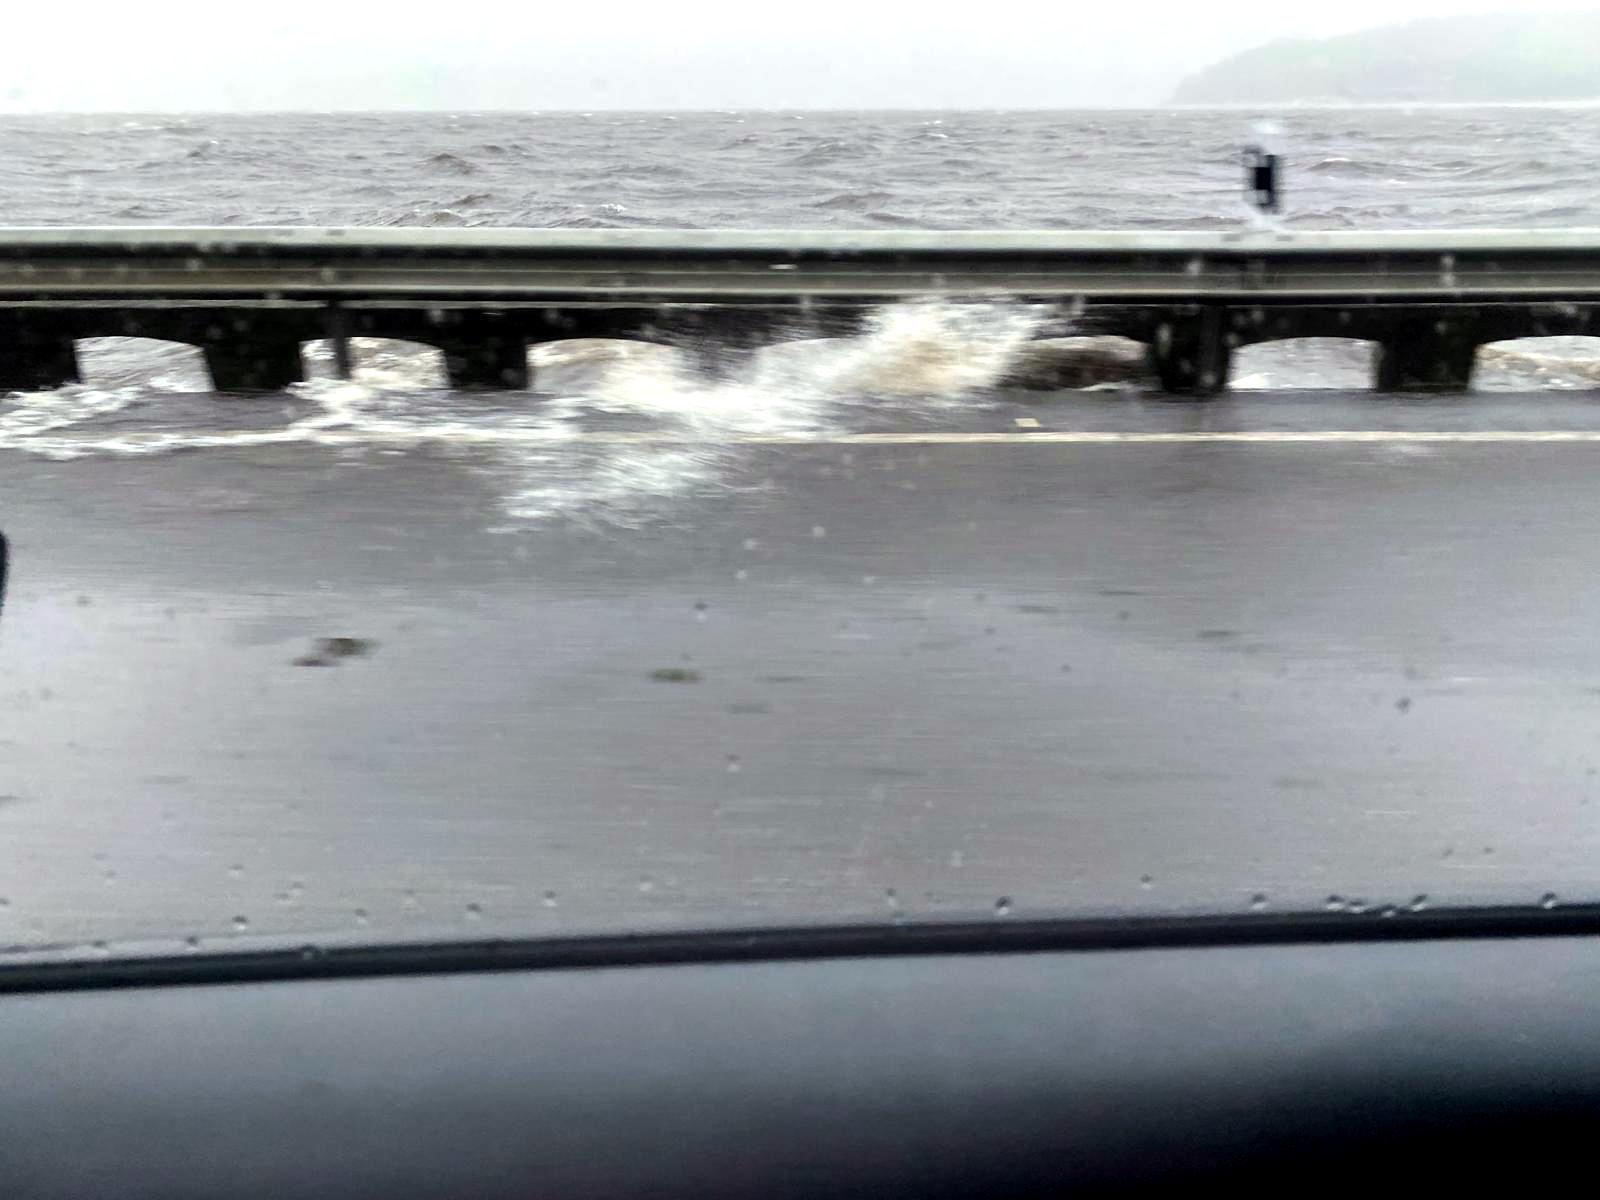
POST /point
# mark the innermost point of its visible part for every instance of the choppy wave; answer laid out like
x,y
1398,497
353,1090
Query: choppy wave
x,y
1367,168
862,201
1338,164
451,164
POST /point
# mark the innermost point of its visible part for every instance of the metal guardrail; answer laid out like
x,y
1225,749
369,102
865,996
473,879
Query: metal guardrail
x,y
739,266
250,296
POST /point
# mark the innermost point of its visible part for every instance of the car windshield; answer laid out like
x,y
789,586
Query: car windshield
x,y
505,474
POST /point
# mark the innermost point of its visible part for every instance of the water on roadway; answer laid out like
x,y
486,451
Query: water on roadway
x,y
1265,651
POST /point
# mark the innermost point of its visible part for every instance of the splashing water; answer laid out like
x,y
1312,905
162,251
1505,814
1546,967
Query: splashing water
x,y
912,358
620,427
647,425
26,416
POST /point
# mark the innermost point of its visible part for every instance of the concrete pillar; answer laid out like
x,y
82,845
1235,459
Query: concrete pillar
x,y
1426,354
493,359
1190,353
246,349
482,349
38,350
721,340
254,365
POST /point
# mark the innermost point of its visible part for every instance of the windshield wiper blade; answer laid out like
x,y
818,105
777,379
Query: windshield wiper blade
x,y
864,940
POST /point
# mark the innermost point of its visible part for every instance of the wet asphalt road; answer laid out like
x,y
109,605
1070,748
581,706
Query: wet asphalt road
x,y
863,681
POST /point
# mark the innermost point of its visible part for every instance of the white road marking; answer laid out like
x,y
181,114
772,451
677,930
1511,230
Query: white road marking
x,y
1099,438
211,437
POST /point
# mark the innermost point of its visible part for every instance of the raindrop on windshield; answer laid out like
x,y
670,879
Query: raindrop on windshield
x,y
474,911
1548,900
240,924
1002,906
1258,902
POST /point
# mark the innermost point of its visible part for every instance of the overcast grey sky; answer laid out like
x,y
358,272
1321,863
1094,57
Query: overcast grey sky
x,y
177,55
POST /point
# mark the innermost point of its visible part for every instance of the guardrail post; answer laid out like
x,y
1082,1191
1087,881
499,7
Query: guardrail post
x,y
1427,354
1190,352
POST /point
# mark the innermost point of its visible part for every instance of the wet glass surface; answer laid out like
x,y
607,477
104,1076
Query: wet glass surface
x,y
957,617
270,691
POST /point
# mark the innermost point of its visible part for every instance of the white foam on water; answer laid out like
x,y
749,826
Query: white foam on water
x,y
1528,364
27,419
912,359
1556,363
924,356
383,364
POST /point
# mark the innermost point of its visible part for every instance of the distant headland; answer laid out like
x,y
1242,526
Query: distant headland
x,y
1503,58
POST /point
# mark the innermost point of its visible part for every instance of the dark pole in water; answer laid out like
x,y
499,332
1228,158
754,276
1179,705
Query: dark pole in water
x,y
1261,178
